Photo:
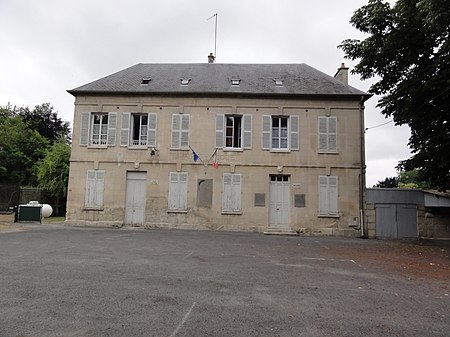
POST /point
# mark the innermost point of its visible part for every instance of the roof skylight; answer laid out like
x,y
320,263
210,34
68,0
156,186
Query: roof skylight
x,y
185,82
278,82
145,81
235,81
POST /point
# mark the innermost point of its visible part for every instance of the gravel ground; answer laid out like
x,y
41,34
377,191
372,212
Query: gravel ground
x,y
62,281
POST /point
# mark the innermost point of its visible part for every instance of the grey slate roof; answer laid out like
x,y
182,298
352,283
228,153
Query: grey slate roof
x,y
214,79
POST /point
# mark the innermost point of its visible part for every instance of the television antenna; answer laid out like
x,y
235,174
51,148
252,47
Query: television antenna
x,y
215,33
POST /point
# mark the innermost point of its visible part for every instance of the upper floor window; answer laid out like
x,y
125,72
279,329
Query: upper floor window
x,y
327,134
280,133
180,131
138,130
98,129
234,131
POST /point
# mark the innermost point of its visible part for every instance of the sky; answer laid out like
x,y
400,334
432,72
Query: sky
x,y
50,46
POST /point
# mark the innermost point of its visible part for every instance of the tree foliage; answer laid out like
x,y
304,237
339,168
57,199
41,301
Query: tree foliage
x,y
53,169
25,136
408,49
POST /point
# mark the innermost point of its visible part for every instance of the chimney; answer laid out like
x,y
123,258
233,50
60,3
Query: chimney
x,y
211,58
342,74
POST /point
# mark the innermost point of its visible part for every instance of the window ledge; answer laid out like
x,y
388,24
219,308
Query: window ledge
x,y
179,149
97,146
327,152
141,147
93,208
177,211
328,216
233,149
280,150
232,212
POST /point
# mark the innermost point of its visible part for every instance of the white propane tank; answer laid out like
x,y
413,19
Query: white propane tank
x,y
47,210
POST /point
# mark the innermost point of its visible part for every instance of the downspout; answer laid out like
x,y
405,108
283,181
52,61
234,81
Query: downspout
x,y
362,172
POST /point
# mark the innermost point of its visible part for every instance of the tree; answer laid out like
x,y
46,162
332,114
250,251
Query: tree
x,y
408,48
388,183
20,150
53,170
45,120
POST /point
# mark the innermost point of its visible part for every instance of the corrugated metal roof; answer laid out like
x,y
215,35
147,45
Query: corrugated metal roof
x,y
209,79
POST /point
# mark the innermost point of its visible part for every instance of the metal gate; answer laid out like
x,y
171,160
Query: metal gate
x,y
396,221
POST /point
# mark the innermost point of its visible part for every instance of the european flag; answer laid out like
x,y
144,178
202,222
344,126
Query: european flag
x,y
195,155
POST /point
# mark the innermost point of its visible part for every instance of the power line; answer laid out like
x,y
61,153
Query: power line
x,y
377,126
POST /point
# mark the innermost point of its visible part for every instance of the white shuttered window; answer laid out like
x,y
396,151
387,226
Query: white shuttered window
x,y
95,184
231,195
327,134
177,200
280,133
180,131
234,131
328,195
98,129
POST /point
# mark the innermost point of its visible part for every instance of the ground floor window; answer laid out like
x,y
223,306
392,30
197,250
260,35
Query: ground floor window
x,y
328,195
95,184
177,191
231,195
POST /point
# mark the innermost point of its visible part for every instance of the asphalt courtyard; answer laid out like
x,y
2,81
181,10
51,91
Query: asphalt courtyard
x,y
65,281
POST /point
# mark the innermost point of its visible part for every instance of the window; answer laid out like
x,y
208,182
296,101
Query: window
x,y
279,82
95,182
180,131
234,131
328,195
98,129
231,195
235,82
145,81
99,135
185,82
280,133
177,191
138,130
327,134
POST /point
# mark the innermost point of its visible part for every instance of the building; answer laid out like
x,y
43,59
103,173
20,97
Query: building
x,y
275,148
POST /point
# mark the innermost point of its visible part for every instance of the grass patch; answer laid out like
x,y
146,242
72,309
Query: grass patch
x,y
53,219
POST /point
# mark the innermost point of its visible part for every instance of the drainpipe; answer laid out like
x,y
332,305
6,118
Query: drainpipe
x,y
362,172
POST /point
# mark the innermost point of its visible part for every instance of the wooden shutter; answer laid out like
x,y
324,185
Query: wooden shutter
x,y
125,131
152,125
176,124
220,125
323,133
231,195
333,195
266,125
328,195
84,129
112,122
294,132
177,191
332,133
247,131
95,184
323,195
184,137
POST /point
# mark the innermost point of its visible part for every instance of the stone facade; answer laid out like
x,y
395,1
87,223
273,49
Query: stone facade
x,y
268,179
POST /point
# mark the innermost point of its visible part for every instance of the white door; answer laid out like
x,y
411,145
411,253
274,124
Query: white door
x,y
279,201
136,198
